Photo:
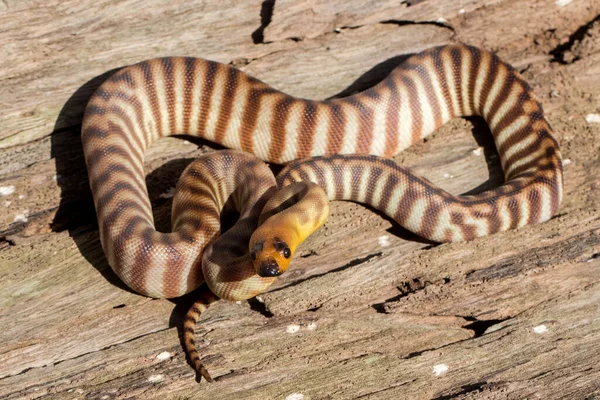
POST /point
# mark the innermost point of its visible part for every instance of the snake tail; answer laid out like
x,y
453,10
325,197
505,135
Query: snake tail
x,y
205,298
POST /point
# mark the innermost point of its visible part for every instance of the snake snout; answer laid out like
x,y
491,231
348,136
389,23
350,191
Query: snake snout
x,y
269,268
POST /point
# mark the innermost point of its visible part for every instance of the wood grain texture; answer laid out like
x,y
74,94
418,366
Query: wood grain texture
x,y
309,19
373,312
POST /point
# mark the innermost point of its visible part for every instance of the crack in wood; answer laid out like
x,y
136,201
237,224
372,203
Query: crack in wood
x,y
559,52
7,241
396,22
593,257
108,347
266,15
567,249
406,288
16,227
50,383
260,307
350,264
464,389
480,326
399,22
421,352
394,386
268,7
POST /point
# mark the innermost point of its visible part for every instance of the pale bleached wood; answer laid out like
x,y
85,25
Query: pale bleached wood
x,y
55,47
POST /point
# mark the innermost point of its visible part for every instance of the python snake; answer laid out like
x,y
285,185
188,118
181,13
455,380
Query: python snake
x,y
144,102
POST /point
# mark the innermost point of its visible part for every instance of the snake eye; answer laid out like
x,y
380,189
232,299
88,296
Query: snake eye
x,y
253,255
287,252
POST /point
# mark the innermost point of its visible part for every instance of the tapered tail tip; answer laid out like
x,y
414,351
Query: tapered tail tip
x,y
204,373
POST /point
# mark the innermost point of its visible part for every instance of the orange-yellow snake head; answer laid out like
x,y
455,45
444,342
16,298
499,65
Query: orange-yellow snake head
x,y
291,216
271,257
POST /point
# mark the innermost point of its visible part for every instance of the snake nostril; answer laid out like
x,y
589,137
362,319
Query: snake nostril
x,y
268,269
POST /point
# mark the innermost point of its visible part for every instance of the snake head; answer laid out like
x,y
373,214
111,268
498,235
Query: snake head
x,y
271,257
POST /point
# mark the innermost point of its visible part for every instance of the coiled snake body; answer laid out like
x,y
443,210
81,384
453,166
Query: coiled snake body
x,y
156,98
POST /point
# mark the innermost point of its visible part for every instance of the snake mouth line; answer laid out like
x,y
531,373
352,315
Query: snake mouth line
x,y
269,268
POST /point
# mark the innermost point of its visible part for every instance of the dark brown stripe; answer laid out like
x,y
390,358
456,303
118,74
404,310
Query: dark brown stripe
x,y
198,309
494,217
302,172
251,110
168,69
430,219
488,83
424,75
356,172
535,205
142,131
500,100
278,131
516,136
338,181
92,109
116,191
511,115
440,72
337,127
195,207
523,153
555,190
133,224
152,96
468,231
456,58
208,87
542,165
415,109
374,177
514,211
93,132
392,120
189,80
103,153
108,175
102,93
189,329
473,72
306,133
367,124
391,183
128,209
175,264
125,211
197,222
124,77
142,258
132,126
410,197
226,106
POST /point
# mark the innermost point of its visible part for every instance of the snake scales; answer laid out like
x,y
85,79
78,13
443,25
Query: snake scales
x,y
156,98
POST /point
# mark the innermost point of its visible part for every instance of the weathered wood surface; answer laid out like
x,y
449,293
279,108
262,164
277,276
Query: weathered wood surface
x,y
369,311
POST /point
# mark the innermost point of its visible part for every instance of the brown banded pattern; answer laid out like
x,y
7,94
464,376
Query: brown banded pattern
x,y
144,102
167,96
420,206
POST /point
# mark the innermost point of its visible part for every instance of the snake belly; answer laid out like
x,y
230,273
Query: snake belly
x,y
144,102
